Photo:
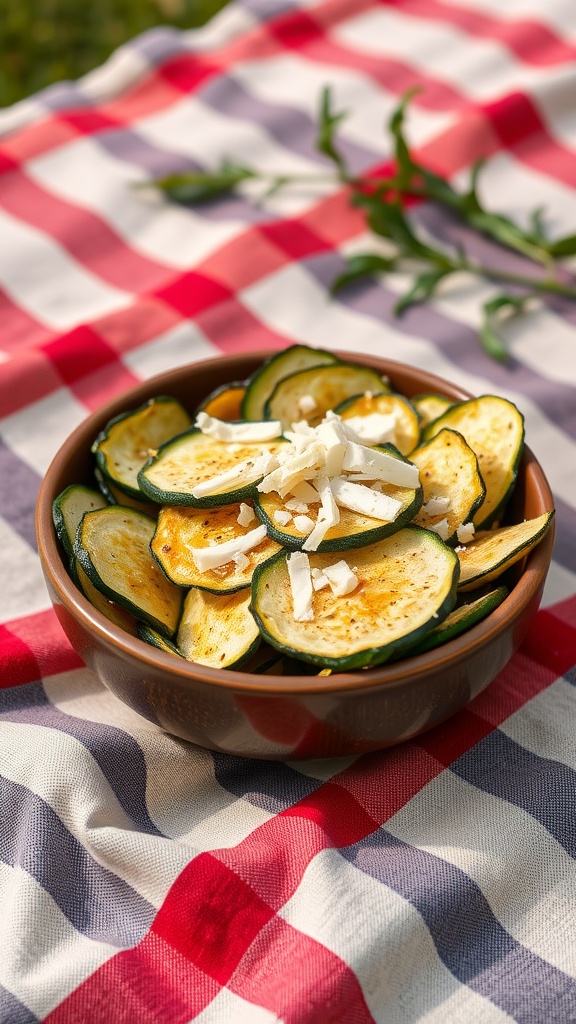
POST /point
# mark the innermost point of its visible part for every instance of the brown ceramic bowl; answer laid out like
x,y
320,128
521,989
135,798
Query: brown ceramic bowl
x,y
283,717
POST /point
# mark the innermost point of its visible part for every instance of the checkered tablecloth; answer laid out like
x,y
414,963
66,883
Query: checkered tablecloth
x,y
147,881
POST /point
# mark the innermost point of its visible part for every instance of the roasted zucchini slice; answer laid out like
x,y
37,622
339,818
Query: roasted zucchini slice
x,y
114,496
495,551
128,440
283,364
354,529
217,629
406,586
429,407
225,402
405,425
309,395
193,459
494,429
120,616
461,619
113,547
449,472
155,639
181,530
68,509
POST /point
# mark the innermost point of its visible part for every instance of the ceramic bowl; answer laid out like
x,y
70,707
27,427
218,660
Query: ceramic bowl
x,y
287,717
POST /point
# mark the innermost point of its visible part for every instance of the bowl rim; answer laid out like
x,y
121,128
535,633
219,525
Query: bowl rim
x,y
393,676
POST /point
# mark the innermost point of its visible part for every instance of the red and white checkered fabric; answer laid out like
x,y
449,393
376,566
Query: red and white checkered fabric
x,y
146,880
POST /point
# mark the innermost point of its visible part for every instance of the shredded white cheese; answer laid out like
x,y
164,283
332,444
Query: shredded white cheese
x,y
360,459
305,492
243,473
220,430
319,580
341,578
465,533
364,500
295,505
219,554
435,506
376,428
307,404
442,529
241,560
301,586
282,518
304,524
245,515
328,515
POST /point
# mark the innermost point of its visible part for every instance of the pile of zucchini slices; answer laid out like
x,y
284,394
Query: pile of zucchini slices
x,y
306,519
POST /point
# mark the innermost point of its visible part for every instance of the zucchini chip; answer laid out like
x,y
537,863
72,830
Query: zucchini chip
x,y
406,429
68,509
129,440
217,629
406,586
309,395
181,529
429,407
120,616
154,639
113,547
354,529
494,552
283,364
449,472
461,619
225,402
114,496
193,459
494,429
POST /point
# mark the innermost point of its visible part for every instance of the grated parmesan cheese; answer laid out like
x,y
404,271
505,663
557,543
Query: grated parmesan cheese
x,y
304,524
298,565
465,533
218,554
245,515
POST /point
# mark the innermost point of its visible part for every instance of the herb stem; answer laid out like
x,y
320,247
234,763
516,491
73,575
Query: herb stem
x,y
537,284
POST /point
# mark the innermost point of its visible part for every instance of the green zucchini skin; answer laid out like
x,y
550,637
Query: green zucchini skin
x,y
154,639
190,445
105,536
460,620
271,602
262,383
328,385
114,496
67,510
107,446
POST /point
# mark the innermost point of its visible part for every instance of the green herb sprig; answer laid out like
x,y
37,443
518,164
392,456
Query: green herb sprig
x,y
383,201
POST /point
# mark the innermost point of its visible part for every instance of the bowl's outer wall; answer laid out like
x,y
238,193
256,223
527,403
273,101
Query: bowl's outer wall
x,y
281,717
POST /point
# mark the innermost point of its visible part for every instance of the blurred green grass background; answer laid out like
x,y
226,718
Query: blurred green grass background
x,y
47,41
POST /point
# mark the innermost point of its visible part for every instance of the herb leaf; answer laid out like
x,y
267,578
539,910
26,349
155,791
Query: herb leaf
x,y
491,341
422,289
329,122
195,187
363,265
